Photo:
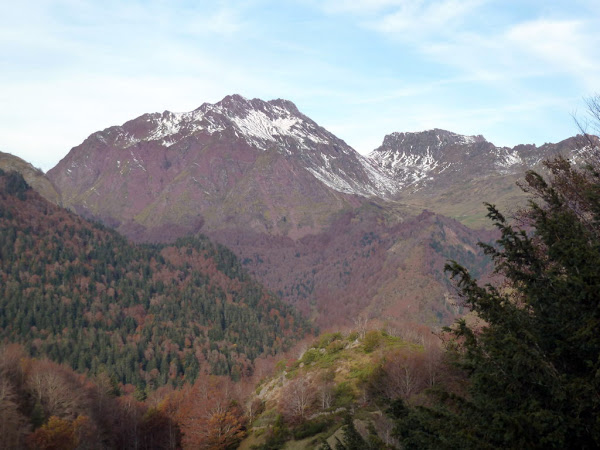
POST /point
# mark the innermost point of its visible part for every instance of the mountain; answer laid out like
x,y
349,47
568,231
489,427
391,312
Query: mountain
x,y
81,294
334,233
453,174
34,177
303,211
436,159
243,163
372,261
236,163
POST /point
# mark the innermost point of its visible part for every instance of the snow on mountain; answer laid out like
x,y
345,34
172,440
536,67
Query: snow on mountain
x,y
260,123
439,161
276,125
431,157
243,129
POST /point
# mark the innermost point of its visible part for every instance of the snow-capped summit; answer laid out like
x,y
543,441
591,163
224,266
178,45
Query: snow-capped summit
x,y
436,159
255,163
276,125
264,125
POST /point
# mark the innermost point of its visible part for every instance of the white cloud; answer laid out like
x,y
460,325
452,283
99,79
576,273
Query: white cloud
x,y
467,36
567,46
536,49
414,20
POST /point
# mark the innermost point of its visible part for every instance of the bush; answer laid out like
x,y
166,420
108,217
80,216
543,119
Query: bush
x,y
309,356
310,428
343,395
372,340
327,339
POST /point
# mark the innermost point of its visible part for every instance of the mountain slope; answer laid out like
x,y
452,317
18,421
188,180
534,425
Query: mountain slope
x,y
374,261
335,233
243,163
34,177
81,294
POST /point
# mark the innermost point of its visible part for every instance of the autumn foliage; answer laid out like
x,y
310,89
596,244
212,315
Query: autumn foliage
x,y
210,416
78,293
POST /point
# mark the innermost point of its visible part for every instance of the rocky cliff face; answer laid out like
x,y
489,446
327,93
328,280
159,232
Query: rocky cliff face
x,y
454,174
439,159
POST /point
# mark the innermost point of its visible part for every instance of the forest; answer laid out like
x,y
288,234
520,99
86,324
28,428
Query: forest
x,y
80,294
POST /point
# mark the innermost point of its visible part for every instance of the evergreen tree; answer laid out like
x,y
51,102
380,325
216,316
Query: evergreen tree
x,y
533,368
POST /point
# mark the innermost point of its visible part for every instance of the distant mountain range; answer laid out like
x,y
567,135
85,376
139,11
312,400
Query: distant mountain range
x,y
266,166
334,232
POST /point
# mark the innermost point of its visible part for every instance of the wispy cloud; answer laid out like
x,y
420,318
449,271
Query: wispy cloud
x,y
413,20
449,32
566,46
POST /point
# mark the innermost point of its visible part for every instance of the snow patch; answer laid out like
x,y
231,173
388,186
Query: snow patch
x,y
138,162
259,128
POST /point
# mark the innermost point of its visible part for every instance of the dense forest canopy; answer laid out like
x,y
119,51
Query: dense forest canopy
x,y
79,293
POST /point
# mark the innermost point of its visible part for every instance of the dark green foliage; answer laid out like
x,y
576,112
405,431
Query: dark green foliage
x,y
343,395
277,436
372,340
83,295
351,439
310,428
325,445
533,370
15,184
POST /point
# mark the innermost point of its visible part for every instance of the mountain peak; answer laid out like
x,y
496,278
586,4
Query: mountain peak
x,y
431,138
276,123
234,103
226,162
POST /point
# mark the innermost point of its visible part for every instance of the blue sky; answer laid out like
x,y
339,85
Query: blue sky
x,y
514,71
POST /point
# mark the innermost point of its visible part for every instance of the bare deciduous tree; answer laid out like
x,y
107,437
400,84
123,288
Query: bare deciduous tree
x,y
361,322
297,398
57,390
404,375
13,425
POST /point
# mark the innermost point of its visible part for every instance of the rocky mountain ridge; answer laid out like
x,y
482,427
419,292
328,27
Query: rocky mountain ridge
x,y
236,163
453,174
406,162
428,158
273,125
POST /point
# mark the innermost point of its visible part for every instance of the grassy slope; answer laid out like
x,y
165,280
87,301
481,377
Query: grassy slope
x,y
349,362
